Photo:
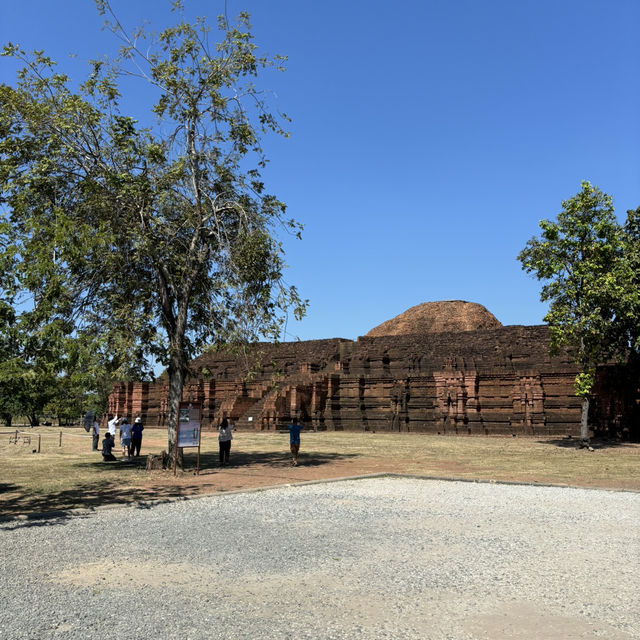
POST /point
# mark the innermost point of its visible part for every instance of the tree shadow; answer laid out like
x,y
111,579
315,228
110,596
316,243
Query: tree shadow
x,y
269,459
595,443
58,506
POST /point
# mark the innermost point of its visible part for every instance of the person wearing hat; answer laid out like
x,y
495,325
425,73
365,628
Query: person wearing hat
x,y
136,436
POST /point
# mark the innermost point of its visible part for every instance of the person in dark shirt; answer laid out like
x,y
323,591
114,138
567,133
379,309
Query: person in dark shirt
x,y
107,445
136,436
95,433
294,440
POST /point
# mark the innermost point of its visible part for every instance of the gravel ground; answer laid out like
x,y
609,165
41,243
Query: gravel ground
x,y
375,558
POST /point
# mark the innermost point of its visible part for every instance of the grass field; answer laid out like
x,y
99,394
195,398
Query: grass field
x,y
72,476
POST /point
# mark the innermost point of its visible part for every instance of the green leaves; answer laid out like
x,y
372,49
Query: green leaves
x,y
149,242
627,282
576,256
590,267
582,257
584,383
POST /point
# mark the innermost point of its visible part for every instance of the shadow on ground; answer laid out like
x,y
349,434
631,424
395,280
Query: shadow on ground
x,y
595,443
265,459
56,507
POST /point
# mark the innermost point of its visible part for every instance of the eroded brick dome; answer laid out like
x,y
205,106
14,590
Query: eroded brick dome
x,y
438,317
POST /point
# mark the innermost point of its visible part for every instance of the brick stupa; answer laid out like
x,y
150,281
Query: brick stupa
x,y
448,316
444,367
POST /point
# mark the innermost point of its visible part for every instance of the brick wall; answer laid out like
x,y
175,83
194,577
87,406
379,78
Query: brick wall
x,y
498,381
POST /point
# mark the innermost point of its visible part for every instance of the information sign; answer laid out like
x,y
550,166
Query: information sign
x,y
189,415
189,425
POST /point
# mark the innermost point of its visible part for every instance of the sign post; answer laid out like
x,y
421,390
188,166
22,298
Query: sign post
x,y
189,415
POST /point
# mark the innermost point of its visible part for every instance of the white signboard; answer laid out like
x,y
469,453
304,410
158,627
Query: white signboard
x,y
189,425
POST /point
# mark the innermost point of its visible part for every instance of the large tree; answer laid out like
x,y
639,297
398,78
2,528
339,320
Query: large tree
x,y
629,294
579,256
155,241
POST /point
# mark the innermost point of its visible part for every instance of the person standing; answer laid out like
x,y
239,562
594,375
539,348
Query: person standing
x,y
112,425
294,440
95,433
225,435
136,436
125,437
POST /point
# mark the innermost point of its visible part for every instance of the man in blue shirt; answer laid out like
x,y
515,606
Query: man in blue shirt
x,y
294,440
107,446
136,436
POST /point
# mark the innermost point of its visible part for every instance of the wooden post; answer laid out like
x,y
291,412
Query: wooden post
x,y
16,438
60,443
175,455
39,438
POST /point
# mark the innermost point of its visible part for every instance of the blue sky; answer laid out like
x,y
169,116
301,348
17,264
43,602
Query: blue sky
x,y
428,137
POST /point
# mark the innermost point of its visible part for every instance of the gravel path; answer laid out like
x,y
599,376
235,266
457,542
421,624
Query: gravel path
x,y
375,558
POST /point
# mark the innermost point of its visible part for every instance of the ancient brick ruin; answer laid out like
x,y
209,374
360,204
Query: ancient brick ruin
x,y
498,380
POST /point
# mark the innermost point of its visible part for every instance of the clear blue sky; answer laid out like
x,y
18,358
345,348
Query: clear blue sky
x,y
429,137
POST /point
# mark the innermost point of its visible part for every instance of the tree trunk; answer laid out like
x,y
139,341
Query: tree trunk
x,y
33,420
176,383
584,425
176,327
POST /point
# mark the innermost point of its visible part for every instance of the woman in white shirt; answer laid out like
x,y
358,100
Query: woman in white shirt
x,y
225,436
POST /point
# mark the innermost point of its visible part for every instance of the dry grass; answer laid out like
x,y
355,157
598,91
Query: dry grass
x,y
71,476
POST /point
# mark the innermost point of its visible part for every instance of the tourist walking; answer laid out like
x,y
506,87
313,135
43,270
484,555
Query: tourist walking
x,y
125,437
136,436
294,440
95,433
225,435
107,446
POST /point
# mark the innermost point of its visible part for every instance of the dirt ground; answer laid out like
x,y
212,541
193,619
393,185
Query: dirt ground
x,y
242,475
246,473
66,475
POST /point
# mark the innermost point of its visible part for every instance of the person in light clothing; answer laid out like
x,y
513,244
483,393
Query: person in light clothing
x,y
225,435
112,426
125,437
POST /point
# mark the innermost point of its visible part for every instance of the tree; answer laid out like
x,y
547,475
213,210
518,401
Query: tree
x,y
628,299
155,241
44,370
580,256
